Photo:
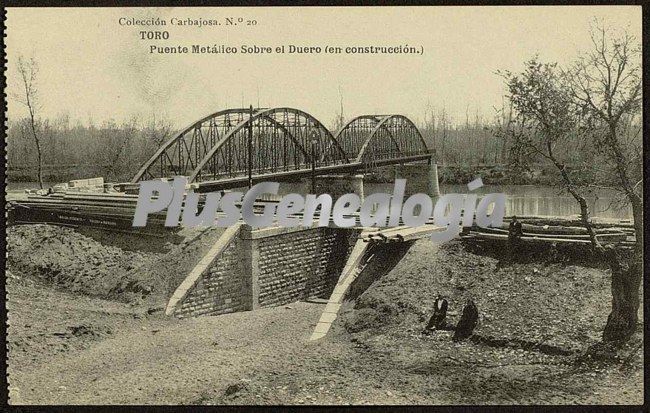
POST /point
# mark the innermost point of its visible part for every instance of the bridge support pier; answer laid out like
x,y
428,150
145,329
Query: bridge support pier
x,y
357,185
434,186
337,185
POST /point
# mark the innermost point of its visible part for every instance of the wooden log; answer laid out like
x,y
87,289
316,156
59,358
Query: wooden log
x,y
573,221
533,239
553,234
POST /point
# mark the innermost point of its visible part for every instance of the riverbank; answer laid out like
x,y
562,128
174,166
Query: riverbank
x,y
71,348
462,174
495,174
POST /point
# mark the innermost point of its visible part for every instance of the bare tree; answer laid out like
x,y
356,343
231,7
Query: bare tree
x,y
159,130
340,118
501,130
547,118
429,127
444,126
605,84
115,142
28,70
544,100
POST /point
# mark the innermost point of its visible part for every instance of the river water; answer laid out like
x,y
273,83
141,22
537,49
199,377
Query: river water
x,y
536,200
520,199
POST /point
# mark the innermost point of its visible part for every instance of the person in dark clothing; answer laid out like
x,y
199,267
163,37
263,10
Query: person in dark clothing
x,y
467,323
515,231
438,320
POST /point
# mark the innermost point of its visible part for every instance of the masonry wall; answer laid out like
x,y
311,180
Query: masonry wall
x,y
223,288
300,264
269,267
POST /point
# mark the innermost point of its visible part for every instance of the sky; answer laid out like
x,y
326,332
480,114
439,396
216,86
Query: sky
x,y
93,68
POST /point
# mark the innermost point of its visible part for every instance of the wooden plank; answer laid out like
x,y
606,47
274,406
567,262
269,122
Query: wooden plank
x,y
531,239
550,234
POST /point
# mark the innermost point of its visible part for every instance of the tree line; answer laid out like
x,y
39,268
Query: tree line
x,y
70,150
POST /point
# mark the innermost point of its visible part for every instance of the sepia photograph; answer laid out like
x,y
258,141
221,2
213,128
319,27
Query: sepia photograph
x,y
324,206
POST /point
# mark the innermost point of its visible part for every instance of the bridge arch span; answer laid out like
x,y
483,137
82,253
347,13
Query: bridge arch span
x,y
216,147
179,153
372,138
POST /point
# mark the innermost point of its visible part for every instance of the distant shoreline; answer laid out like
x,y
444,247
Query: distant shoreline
x,y
496,174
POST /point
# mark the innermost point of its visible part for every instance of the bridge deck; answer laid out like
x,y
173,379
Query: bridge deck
x,y
240,181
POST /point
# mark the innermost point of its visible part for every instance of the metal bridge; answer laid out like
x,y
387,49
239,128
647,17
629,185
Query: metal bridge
x,y
236,147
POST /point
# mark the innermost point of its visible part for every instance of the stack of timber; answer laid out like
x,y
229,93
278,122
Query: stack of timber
x,y
92,203
112,210
558,230
400,233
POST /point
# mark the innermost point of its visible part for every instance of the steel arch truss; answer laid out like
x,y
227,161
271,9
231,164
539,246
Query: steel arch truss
x,y
216,147
182,153
369,139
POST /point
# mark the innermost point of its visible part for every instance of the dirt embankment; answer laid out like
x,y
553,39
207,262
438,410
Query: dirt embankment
x,y
536,321
74,262
79,263
560,304
67,348
44,322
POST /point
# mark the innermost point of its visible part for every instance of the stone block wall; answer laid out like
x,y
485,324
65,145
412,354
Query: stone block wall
x,y
223,288
300,264
266,267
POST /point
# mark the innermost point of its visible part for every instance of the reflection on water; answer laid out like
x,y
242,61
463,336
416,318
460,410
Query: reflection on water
x,y
536,200
545,200
520,199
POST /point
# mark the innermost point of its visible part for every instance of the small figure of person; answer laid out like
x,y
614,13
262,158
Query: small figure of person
x,y
438,320
467,323
515,231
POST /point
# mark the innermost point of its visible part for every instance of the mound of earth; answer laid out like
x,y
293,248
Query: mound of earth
x,y
69,349
73,261
78,263
559,304
167,271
